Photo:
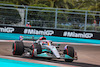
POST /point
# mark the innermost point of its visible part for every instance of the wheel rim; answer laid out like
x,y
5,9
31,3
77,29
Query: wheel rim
x,y
14,48
33,51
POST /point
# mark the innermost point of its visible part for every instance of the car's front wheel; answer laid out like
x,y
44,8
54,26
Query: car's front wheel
x,y
69,51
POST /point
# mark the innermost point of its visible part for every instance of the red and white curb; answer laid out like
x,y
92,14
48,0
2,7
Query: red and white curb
x,y
55,43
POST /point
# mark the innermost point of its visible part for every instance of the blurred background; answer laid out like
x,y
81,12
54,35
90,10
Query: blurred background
x,y
63,14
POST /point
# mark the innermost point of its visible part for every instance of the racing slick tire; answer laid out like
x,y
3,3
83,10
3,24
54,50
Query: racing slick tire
x,y
38,47
69,51
18,48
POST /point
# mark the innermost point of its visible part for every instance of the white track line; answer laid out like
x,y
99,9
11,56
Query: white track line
x,y
14,41
76,43
54,42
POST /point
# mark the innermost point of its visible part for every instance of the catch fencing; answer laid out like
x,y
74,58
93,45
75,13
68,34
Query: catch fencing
x,y
47,17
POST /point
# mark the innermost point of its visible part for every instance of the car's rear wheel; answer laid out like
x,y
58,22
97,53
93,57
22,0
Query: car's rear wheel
x,y
18,48
69,51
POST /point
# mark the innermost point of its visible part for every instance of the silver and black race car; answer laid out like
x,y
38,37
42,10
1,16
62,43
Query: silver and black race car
x,y
45,48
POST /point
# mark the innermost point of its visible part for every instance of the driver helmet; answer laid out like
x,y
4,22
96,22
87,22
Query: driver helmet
x,y
45,43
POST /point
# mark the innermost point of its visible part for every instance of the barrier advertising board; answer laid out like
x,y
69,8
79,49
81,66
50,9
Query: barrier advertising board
x,y
49,32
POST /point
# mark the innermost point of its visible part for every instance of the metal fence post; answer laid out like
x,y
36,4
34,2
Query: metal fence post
x,y
56,18
3,20
85,20
26,14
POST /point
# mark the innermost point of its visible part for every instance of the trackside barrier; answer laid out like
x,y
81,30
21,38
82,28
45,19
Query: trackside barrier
x,y
50,32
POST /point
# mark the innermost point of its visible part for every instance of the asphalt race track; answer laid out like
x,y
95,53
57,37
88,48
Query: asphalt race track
x,y
88,56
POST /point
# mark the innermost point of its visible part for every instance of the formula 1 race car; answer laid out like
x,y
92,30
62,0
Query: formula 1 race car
x,y
45,48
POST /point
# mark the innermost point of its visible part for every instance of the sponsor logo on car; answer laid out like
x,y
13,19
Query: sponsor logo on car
x,y
79,35
38,32
6,29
